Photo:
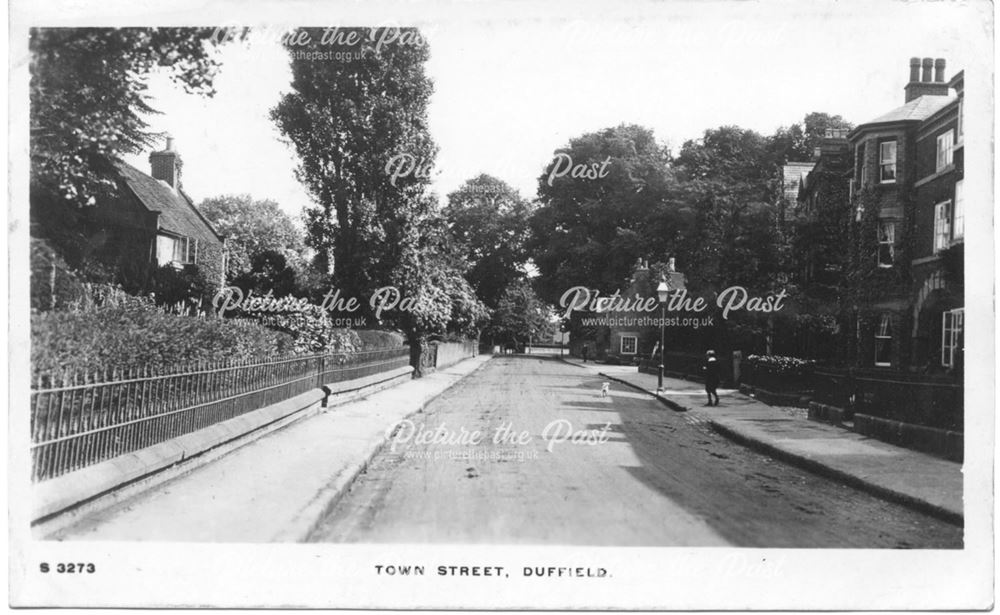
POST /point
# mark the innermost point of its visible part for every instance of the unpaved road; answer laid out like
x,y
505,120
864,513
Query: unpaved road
x,y
648,476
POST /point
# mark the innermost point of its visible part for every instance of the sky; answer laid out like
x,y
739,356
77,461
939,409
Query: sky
x,y
511,87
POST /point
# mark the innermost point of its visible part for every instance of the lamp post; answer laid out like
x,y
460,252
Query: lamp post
x,y
662,292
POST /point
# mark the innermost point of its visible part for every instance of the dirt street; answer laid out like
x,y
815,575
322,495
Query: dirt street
x,y
575,467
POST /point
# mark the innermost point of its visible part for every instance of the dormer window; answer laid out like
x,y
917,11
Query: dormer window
x,y
887,162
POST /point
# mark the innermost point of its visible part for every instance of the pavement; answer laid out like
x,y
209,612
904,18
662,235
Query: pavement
x,y
923,482
277,488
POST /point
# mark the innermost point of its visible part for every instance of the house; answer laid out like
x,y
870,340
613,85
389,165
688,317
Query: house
x,y
792,176
906,228
151,222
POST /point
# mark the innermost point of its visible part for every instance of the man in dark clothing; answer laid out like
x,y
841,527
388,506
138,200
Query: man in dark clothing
x,y
584,351
711,370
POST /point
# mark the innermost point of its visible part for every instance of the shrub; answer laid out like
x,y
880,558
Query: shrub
x,y
372,339
115,336
781,365
312,331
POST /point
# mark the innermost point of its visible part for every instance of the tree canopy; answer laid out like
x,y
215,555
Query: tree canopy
x,y
489,222
88,99
252,226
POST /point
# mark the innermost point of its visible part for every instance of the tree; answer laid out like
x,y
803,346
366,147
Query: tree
x,y
251,227
589,232
88,97
360,130
350,122
799,141
269,272
489,222
521,316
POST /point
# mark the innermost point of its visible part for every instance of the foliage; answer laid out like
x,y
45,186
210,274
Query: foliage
x,y
346,121
375,339
88,97
489,222
131,336
781,365
442,299
253,226
268,273
798,142
589,232
521,316
312,331
173,285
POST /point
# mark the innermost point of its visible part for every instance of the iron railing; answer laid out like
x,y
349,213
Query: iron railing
x,y
79,420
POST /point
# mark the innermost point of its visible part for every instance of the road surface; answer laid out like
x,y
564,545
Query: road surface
x,y
637,475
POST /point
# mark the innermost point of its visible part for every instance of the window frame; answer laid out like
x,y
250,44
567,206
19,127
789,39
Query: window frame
x,y
183,250
942,222
890,225
883,333
945,156
958,212
882,161
950,335
635,344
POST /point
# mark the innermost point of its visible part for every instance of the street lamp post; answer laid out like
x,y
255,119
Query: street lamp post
x,y
662,292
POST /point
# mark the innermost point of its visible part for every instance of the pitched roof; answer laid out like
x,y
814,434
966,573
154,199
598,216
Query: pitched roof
x,y
177,213
918,109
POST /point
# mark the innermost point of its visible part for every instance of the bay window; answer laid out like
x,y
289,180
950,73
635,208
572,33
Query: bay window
x,y
887,162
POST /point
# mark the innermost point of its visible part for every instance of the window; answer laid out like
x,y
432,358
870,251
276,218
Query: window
x,y
952,323
176,250
942,226
961,118
883,341
859,161
945,150
958,226
886,243
887,162
628,344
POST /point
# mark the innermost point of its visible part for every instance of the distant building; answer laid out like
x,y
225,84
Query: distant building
x,y
792,176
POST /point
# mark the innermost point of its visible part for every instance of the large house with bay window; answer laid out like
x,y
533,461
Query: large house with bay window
x,y
907,228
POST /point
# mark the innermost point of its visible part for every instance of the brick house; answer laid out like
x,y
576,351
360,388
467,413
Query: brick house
x,y
151,222
907,228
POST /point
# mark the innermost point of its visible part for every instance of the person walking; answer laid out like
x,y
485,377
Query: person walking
x,y
585,351
711,370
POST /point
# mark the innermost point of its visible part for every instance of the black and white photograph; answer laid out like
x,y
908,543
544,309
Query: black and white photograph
x,y
502,305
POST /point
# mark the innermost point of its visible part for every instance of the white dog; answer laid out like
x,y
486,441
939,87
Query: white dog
x,y
605,389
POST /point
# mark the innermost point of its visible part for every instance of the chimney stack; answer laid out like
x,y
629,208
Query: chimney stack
x,y
166,165
926,78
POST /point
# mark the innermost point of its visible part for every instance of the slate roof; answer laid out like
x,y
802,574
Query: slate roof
x,y
177,213
918,109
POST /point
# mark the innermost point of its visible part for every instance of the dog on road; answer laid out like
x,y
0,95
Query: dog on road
x,y
605,389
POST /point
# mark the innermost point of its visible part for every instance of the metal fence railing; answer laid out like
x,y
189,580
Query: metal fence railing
x,y
79,420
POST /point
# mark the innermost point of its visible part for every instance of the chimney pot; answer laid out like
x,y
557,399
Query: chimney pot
x,y
914,69
939,70
928,64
